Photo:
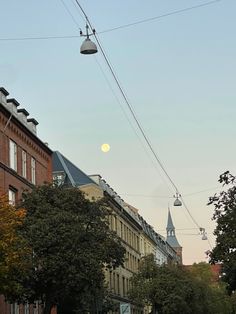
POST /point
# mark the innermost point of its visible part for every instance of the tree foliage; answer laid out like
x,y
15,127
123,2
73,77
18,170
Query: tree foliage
x,y
71,242
171,289
12,247
166,288
225,216
216,298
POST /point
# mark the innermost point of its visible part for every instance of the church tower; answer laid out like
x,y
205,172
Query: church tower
x,y
171,238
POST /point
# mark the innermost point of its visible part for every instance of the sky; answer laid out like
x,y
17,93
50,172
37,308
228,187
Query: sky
x,y
178,73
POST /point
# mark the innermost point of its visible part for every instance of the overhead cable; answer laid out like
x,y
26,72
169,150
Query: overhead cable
x,y
160,16
110,29
134,115
127,101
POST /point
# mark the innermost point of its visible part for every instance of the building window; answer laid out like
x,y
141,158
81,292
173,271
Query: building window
x,y
123,285
121,230
13,155
36,307
59,178
12,197
118,284
33,170
115,224
26,308
24,164
110,280
114,282
14,308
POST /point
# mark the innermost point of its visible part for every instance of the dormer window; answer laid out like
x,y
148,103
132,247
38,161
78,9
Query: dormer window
x,y
59,177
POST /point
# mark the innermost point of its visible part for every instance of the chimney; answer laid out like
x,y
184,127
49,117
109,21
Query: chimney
x,y
23,114
96,178
3,95
12,105
32,123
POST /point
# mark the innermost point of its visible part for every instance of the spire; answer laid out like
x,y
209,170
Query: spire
x,y
170,225
170,230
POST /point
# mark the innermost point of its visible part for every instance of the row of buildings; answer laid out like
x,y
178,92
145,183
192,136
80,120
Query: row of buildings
x,y
26,161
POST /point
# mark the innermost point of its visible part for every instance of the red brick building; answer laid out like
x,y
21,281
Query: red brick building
x,y
25,161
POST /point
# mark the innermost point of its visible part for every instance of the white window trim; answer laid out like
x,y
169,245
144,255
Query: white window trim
x,y
12,196
24,163
33,170
26,307
15,308
13,155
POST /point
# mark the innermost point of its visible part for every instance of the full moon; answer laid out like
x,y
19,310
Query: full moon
x,y
105,148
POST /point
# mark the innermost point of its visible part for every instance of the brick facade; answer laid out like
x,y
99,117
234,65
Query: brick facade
x,y
12,129
20,171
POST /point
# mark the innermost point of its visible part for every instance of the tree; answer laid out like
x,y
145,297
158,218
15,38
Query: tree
x,y
171,289
202,271
12,247
71,242
167,288
225,216
216,298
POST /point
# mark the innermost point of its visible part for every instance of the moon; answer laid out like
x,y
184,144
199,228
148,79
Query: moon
x,y
105,148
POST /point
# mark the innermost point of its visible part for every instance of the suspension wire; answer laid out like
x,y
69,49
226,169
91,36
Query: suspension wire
x,y
69,12
78,10
167,196
209,242
39,38
127,101
108,62
130,123
160,16
193,219
134,115
110,29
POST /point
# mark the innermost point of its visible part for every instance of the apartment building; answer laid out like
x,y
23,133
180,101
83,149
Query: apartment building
x,y
25,161
137,236
124,223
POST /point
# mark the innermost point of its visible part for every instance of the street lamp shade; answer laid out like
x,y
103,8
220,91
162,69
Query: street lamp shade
x,y
177,202
88,47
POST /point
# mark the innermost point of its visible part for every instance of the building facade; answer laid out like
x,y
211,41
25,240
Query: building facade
x,y
137,236
25,161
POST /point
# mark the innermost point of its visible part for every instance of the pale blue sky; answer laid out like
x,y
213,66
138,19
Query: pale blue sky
x,y
179,75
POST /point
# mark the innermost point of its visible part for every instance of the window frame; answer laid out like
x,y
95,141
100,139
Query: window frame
x,y
12,155
33,170
24,163
15,309
12,196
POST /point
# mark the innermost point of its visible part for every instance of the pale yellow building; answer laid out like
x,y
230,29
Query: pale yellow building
x,y
137,236
124,221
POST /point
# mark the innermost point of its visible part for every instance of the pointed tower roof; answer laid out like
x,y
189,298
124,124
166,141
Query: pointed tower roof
x,y
170,224
170,230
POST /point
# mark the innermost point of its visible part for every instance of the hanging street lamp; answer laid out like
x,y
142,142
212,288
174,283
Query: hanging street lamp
x,y
203,233
88,47
177,201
